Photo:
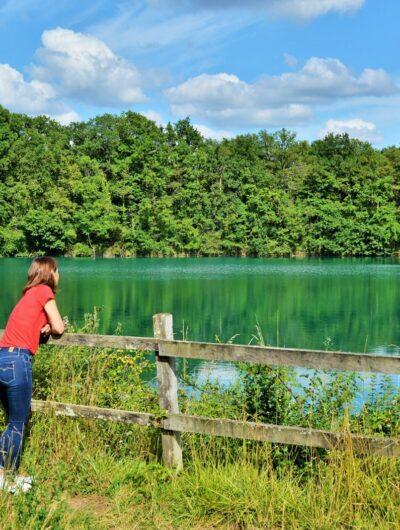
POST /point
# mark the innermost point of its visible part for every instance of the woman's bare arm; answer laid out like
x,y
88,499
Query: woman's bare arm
x,y
54,317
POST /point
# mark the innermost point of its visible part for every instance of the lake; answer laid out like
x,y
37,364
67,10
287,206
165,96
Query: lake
x,y
345,304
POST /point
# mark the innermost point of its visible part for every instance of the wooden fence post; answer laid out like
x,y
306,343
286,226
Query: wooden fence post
x,y
167,391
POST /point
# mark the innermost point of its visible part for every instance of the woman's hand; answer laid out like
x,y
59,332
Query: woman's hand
x,y
45,330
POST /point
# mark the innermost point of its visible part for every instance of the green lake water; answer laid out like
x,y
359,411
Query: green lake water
x,y
352,304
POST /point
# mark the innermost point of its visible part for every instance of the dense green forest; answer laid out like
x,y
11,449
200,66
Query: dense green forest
x,y
123,186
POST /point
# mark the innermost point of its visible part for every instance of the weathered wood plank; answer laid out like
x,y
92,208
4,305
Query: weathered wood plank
x,y
103,341
95,413
230,428
283,434
168,391
317,359
106,341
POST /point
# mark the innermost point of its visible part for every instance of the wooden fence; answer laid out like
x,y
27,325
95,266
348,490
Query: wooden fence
x,y
173,423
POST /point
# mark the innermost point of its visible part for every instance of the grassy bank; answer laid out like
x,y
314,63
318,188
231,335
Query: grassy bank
x,y
83,484
101,475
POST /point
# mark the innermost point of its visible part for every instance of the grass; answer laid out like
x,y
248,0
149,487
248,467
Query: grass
x,y
99,475
82,484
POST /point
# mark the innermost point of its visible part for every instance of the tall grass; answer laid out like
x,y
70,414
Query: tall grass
x,y
103,475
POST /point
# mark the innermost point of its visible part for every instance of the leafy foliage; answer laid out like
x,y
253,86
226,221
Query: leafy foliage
x,y
121,185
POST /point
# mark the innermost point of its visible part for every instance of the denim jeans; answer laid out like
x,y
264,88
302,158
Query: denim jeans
x,y
15,396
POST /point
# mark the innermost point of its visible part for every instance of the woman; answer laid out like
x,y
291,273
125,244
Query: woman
x,y
34,315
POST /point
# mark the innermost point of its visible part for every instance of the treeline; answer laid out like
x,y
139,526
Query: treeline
x,y
123,186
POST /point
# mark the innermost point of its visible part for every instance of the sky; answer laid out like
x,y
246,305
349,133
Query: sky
x,y
232,66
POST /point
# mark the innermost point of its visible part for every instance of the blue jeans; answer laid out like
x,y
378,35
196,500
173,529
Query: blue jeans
x,y
15,396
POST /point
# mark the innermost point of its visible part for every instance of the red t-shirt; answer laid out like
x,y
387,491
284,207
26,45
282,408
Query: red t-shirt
x,y
27,319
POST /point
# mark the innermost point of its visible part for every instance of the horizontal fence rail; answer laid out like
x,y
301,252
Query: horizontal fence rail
x,y
172,423
245,430
317,359
314,359
106,341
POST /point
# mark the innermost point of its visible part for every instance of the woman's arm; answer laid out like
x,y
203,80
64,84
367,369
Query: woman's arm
x,y
54,317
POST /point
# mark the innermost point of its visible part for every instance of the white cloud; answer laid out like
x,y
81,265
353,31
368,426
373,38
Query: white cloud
x,y
274,100
214,134
85,68
153,116
150,29
32,97
248,116
308,9
19,95
326,79
300,9
67,117
169,36
355,128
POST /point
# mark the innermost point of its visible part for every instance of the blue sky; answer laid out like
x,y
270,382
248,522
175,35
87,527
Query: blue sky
x,y
233,66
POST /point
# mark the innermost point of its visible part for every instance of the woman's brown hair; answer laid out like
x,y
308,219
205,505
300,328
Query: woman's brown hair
x,y
40,273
